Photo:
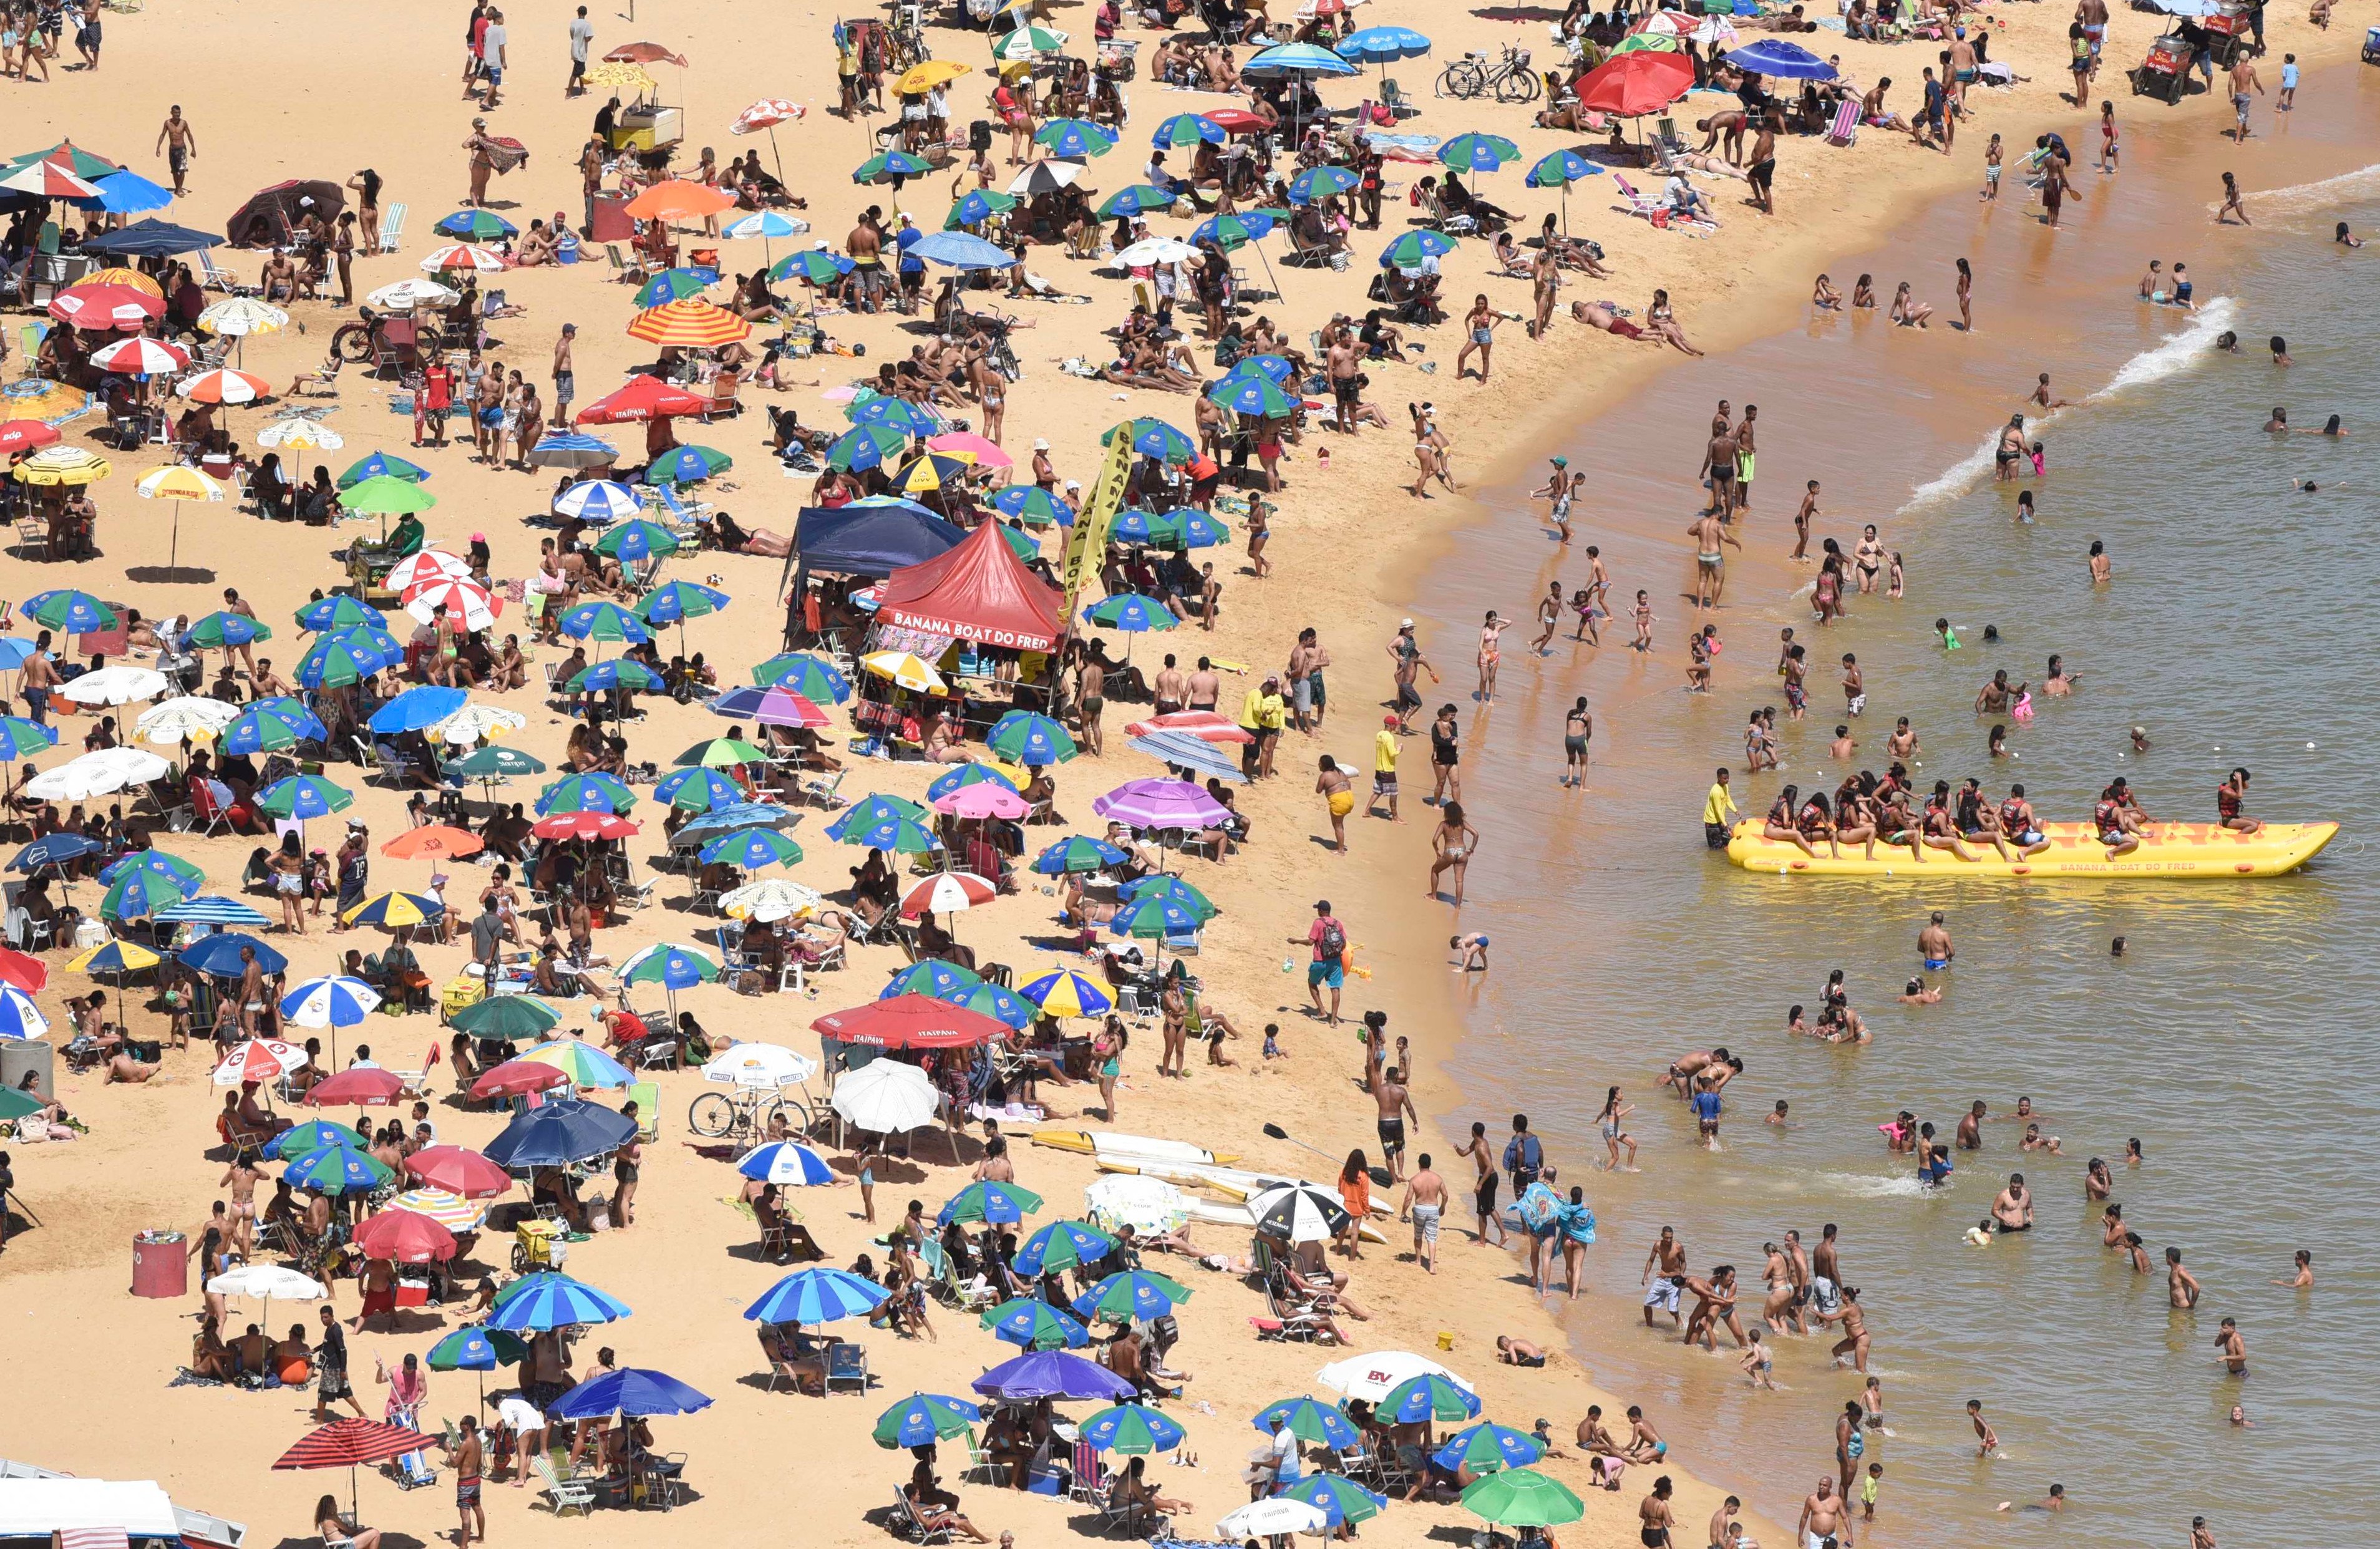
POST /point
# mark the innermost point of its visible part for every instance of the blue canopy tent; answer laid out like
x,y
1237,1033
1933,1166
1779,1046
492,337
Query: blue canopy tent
x,y
869,540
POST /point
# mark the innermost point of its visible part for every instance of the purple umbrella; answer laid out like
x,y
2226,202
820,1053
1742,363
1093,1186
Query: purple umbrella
x,y
1051,1374
1160,804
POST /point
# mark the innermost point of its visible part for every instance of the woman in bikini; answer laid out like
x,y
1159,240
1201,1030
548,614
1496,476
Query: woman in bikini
x,y
1454,842
1490,654
1868,558
288,868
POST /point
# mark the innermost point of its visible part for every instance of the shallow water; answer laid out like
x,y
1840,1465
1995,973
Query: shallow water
x,y
2221,1039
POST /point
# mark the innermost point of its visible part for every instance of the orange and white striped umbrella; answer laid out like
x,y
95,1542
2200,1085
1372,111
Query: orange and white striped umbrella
x,y
692,323
224,385
145,357
464,257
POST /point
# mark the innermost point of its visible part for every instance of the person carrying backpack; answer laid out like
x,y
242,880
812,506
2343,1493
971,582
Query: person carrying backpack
x,y
1328,936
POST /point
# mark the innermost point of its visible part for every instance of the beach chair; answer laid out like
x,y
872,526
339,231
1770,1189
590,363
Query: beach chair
x,y
1088,1482
33,538
906,1522
391,228
646,1096
1393,98
1846,127
560,1493
847,1363
33,333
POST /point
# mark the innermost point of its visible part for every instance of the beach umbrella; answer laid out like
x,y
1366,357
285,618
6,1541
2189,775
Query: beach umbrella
x,y
1182,893
984,800
692,323
867,825
388,495
67,466
1074,139
1486,1447
417,709
961,776
1186,130
475,1347
513,1079
52,850
687,465
815,266
568,448
882,408
927,76
103,307
220,631
751,849
211,910
604,621
1065,993
931,471
1632,85
1786,61
338,1169
1427,1396
1135,1294
21,738
1027,737
336,1000
1380,44
341,659
990,1201
126,193
20,1018
978,206
495,763
119,685
767,113
218,954
1273,1517
607,676
509,1017
930,975
149,239
1034,505
773,898
1159,803
1061,1245
457,1170
599,501
1309,1420
584,824
349,1445
239,315
583,1063
559,1131
680,198
811,677
336,612
1155,438
676,601
770,707
628,1390
910,1022
672,967
1295,1212
68,154
886,1097
140,894
402,1236
96,774
1234,232
381,465
1026,41
394,910
140,356
1155,917
962,250
1560,170
1053,1375
923,1419
1250,394
1034,1323
267,728
184,715
1409,251
866,446
1078,853
786,1162
697,790
405,294
890,166
642,398
547,1299
300,1139
1477,153
463,258
303,796
816,1296
760,1065
672,285
1319,182
947,893
1369,1377
1342,1500
1046,176
479,723
1297,59
25,435
1523,1498
636,540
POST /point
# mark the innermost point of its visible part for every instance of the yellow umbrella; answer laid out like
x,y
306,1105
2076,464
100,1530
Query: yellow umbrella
x,y
122,276
243,315
619,75
125,957
932,73
300,435
63,465
905,668
177,484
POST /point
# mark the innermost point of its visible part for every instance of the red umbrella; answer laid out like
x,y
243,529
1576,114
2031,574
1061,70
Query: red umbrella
x,y
583,825
644,397
349,1444
1636,83
25,435
514,1077
1236,120
643,53
911,1021
460,1170
363,1086
1205,725
948,890
27,974
402,1236
105,307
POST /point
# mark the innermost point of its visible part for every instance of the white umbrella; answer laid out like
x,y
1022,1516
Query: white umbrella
x,y
1371,1376
267,1281
97,774
118,684
1298,1213
1045,178
190,715
1146,1204
463,257
479,723
406,294
241,316
20,1018
477,606
300,435
1271,1518
887,1097
258,1060
427,565
766,1065
774,898
1156,250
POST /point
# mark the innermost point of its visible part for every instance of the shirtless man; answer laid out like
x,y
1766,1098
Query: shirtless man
x,y
1970,1129
1172,688
1719,457
179,143
1823,1523
1205,686
1424,1204
865,245
1395,1104
251,991
2234,1349
2014,1207
1934,944
1709,535
2181,1288
1664,1277
1483,1188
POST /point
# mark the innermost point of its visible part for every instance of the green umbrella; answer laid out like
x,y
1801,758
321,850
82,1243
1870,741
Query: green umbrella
x,y
627,674
1650,42
341,611
818,268
308,791
1027,40
381,463
932,1409
208,633
509,1017
495,763
54,608
1231,233
713,462
1523,1498
16,1104
883,438
659,541
969,1203
994,202
1024,544
720,752
1116,1303
1034,1323
606,620
387,495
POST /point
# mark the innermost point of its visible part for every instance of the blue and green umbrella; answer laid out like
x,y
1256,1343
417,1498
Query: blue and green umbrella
x,y
961,776
1153,918
1426,1396
69,611
604,621
136,895
676,601
672,967
978,206
1340,1499
338,1169
1033,504
751,848
1027,737
671,285
923,1419
479,226
1319,182
1074,139
866,446
636,540
930,975
269,726
1155,438
697,790
220,631
989,1200
342,659
1078,854
1184,527
1137,199
1134,1295
490,762
21,738
620,672
1486,1447
1407,251
1167,886
902,836
592,791
337,611
1309,1420
1477,153
813,678
1186,130
1131,1428
1130,613
1034,1323
303,796
687,465
1252,394
1061,1245
992,1001
1232,232
381,465
315,1134
889,166
1560,169
819,267
883,408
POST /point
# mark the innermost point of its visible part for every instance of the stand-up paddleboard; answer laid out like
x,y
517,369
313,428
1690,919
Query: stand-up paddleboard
x,y
1106,1144
2182,851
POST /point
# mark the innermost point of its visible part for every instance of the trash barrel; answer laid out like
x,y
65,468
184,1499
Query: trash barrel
x,y
18,1055
161,1265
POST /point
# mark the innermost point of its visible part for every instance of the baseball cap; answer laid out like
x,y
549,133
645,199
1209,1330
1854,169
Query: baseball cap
x,y
1561,462
1406,624
1323,904
1389,720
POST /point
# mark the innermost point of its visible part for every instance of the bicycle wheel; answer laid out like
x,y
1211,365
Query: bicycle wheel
x,y
1519,85
798,1117
712,1115
1461,78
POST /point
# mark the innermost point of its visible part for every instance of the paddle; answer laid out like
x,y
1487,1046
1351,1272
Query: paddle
x,y
1380,1178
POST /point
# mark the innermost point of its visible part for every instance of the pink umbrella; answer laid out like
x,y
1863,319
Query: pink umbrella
x,y
101,306
950,892
783,707
986,454
141,357
404,1238
363,1086
460,1170
258,1060
1205,725
983,799
1160,804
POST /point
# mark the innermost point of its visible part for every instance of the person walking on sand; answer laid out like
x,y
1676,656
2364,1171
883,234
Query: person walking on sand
x,y
1455,842
1338,793
1479,333
463,1455
177,143
2243,80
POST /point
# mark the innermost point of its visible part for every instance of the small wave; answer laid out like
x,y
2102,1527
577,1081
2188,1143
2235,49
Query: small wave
x,y
2299,197
2178,353
1866,1186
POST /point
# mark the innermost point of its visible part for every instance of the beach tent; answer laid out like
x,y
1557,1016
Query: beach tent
x,y
37,1508
269,214
979,590
873,540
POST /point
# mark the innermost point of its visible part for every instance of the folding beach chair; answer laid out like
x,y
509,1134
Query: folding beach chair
x,y
1846,130
391,228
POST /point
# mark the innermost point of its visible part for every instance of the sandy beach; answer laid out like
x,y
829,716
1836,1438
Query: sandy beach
x,y
275,91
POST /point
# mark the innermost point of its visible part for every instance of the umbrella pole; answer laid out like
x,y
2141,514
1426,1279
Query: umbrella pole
x,y
1269,273
776,153
174,552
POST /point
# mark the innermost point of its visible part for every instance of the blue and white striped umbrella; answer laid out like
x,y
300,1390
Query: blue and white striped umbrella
x,y
336,1001
547,1299
784,1161
598,500
813,1296
766,224
20,1018
212,908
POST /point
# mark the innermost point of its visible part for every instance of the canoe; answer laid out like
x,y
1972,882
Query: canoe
x,y
2167,850
1105,1144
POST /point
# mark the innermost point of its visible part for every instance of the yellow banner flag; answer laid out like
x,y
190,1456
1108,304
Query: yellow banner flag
x,y
1087,545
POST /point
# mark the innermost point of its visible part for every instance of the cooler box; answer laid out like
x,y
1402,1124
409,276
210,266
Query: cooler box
x,y
160,1265
461,990
413,1293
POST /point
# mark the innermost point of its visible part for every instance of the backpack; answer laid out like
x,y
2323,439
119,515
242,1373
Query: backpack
x,y
1334,938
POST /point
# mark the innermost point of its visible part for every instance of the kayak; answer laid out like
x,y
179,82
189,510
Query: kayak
x,y
1105,1144
2167,850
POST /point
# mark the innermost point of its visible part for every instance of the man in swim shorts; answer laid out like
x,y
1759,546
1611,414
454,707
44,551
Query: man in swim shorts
x,y
1665,1270
1934,944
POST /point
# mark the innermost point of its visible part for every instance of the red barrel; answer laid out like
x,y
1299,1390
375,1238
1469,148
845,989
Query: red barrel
x,y
161,1265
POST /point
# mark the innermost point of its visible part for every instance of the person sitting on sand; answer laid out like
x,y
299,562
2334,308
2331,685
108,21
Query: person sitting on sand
x,y
1515,1351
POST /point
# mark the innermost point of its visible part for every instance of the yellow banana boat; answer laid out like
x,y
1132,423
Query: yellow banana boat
x,y
2167,850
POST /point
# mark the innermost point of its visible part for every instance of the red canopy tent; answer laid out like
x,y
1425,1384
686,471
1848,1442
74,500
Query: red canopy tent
x,y
980,591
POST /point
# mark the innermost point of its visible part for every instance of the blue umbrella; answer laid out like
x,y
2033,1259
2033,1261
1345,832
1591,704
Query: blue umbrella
x,y
417,709
974,209
1413,246
219,955
1025,737
1051,1374
699,789
815,1296
1173,888
336,612
744,815
630,1390
550,1299
1074,139
1426,1396
676,601
472,1349
69,612
751,848
379,465
340,659
1132,1428
963,251
336,1169
1486,1445
128,193
231,629
889,165
303,797
987,1200
53,850
598,500
1130,613
1031,502
1155,914
1312,1421
813,678
883,830
1033,1323
606,675
673,968
1775,56
964,775
558,1133
20,1018
1155,438
572,449
1297,59
1380,44
865,446
269,727
1250,394
14,650
21,738
604,621
313,1135
1078,853
1256,223
585,792
338,1001
929,975
784,1161
923,1419
212,908
151,239
475,225
1185,751
1059,1244
1137,199
1188,128
1560,170
185,877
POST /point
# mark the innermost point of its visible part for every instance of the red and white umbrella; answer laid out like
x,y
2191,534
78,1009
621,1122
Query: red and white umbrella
x,y
1205,725
103,307
148,358
459,256
224,385
48,180
26,435
951,890
475,604
766,113
258,1060
427,565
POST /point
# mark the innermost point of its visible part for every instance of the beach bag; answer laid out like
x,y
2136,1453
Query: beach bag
x,y
1334,940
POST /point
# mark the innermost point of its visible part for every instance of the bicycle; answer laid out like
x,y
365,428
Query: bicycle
x,y
750,1111
1511,81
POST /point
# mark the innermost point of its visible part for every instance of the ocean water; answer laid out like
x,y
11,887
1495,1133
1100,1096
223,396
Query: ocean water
x,y
2229,1038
